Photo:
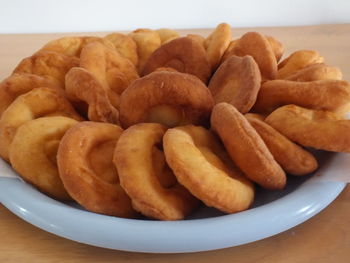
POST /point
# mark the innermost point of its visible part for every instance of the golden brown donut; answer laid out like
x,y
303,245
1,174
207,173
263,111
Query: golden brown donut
x,y
125,45
200,39
216,44
87,171
277,47
229,52
257,46
72,46
297,60
332,95
167,35
292,158
49,64
318,129
169,98
81,86
134,160
236,81
37,103
147,42
101,78
33,153
183,54
318,71
18,84
201,164
246,148
109,68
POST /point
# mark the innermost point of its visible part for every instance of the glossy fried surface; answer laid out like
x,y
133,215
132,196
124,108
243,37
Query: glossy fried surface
x,y
170,98
201,164
139,174
318,129
90,180
33,153
246,148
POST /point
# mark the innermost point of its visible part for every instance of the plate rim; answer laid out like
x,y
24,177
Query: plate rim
x,y
62,220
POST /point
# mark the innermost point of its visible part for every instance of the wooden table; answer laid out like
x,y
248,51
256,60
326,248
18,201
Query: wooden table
x,y
324,238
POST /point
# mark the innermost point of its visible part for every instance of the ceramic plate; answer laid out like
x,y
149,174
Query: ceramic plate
x,y
207,229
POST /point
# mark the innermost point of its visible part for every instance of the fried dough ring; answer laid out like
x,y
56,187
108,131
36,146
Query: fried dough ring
x,y
81,86
37,103
85,165
147,42
257,46
297,60
33,153
166,35
199,38
216,44
18,84
292,158
101,78
332,95
277,47
318,129
246,148
72,46
125,45
133,158
49,64
200,164
318,71
170,98
236,81
183,54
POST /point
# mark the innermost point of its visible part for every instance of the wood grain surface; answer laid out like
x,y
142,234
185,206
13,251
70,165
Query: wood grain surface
x,y
323,238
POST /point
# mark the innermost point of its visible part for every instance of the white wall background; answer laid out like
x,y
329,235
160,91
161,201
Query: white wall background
x,y
38,16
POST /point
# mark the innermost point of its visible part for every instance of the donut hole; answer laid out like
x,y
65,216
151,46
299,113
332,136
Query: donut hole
x,y
100,160
164,174
168,115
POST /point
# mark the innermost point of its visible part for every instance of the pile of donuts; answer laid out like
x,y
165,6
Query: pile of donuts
x,y
156,124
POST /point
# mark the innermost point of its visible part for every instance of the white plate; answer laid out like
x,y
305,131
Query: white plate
x,y
207,229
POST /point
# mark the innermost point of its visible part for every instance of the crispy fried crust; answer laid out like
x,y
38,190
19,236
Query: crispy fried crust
x,y
246,148
292,158
277,47
216,44
319,129
47,63
318,71
257,46
72,46
183,54
147,41
166,35
201,164
102,76
20,83
134,159
332,95
80,170
125,45
33,153
296,61
181,97
37,103
236,81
